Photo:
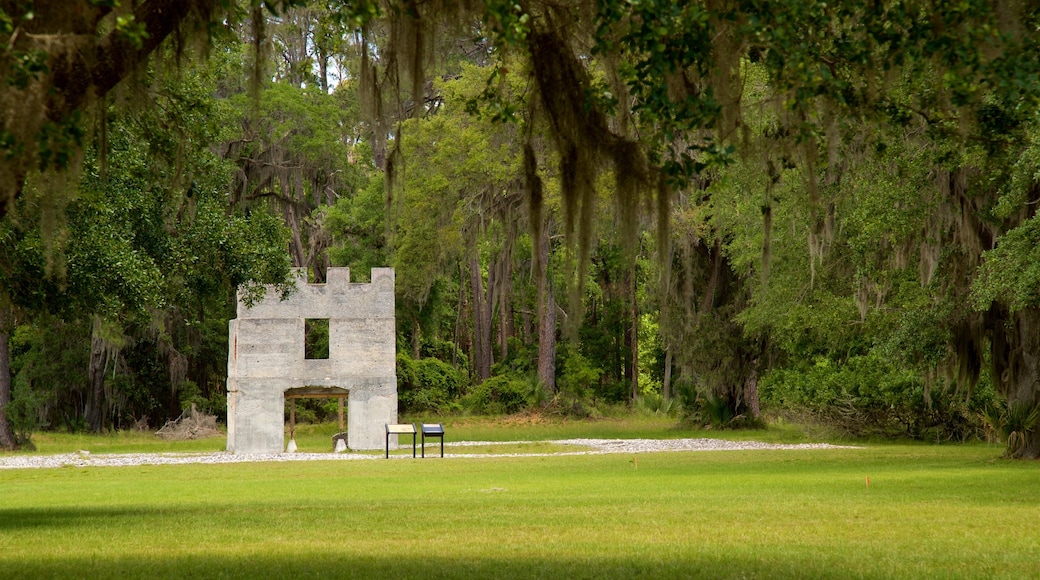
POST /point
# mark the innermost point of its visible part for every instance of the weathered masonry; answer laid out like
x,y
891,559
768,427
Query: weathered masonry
x,y
267,359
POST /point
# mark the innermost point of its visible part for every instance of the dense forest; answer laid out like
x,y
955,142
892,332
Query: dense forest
x,y
725,210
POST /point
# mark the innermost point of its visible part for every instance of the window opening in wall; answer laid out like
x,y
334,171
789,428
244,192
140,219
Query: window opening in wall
x,y
316,338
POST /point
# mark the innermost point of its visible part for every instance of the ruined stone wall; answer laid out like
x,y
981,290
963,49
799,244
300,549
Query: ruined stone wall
x,y
266,358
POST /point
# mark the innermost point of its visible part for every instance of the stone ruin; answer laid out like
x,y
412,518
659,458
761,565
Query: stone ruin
x,y
267,360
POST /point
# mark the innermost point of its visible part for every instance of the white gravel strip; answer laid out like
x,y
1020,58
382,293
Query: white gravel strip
x,y
598,447
86,459
651,445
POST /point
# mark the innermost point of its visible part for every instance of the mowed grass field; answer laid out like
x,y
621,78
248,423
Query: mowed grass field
x,y
955,511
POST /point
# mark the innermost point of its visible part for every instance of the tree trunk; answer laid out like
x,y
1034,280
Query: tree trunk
x,y
546,321
96,376
296,241
481,317
506,326
463,339
416,339
1016,367
750,394
666,389
459,337
7,440
323,68
634,361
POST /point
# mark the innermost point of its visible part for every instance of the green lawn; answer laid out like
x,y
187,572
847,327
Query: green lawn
x,y
930,511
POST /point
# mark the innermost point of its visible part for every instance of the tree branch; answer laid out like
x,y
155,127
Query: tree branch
x,y
77,77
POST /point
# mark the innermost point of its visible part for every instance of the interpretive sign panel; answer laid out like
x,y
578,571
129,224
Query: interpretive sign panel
x,y
432,430
399,429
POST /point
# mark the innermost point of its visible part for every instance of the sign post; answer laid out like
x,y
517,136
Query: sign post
x,y
400,429
432,430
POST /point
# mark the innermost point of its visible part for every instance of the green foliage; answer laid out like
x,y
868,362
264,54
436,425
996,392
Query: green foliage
x,y
358,227
706,408
313,126
521,360
832,178
654,403
605,336
446,351
148,246
427,385
316,338
108,269
1010,273
579,374
500,395
715,411
49,362
869,395
459,172
191,394
312,412
660,38
23,414
652,356
1013,423
507,20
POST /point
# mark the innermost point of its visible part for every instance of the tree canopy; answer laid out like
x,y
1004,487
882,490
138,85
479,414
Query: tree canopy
x,y
827,207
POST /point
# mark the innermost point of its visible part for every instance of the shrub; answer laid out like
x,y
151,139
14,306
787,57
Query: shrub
x,y
435,374
1012,423
305,411
446,351
654,403
215,403
426,385
503,394
578,374
715,411
522,359
189,394
23,414
866,395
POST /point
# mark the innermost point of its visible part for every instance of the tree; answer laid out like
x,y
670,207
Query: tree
x,y
844,183
7,440
58,57
655,92
148,250
460,196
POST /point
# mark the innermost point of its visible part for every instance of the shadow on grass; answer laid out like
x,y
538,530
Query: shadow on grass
x,y
331,565
214,558
12,520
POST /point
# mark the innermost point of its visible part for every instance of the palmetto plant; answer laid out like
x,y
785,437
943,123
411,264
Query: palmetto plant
x,y
1012,422
716,411
656,404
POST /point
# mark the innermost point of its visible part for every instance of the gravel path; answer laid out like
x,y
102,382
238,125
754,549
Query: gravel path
x,y
589,447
